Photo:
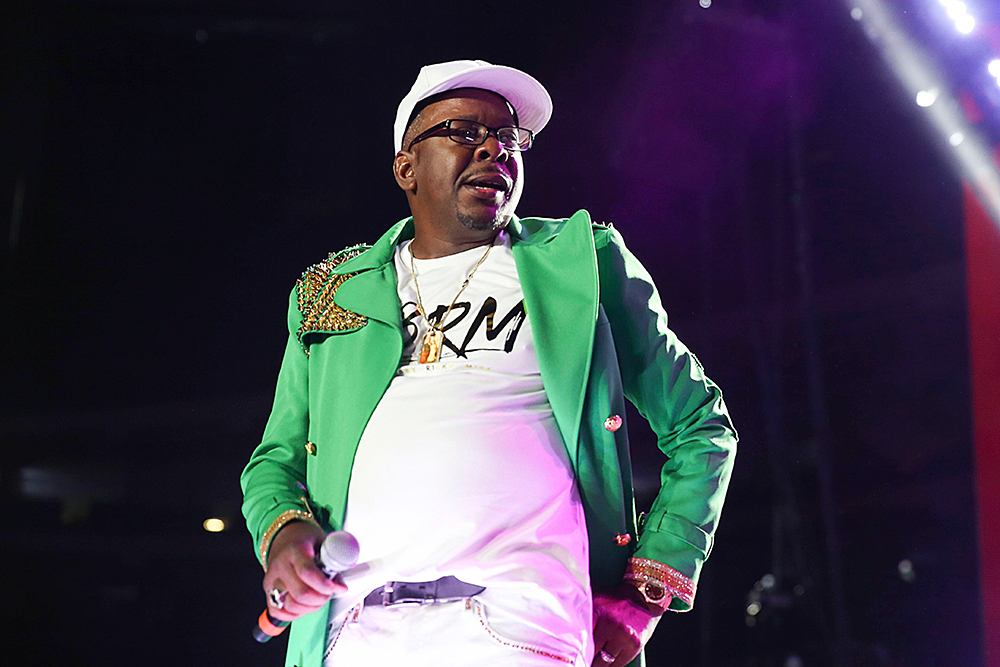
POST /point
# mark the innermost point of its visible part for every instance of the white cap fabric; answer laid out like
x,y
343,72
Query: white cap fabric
x,y
528,97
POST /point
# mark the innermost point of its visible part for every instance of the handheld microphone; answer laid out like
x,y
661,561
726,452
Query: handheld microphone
x,y
338,552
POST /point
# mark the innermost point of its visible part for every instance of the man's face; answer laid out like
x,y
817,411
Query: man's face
x,y
456,188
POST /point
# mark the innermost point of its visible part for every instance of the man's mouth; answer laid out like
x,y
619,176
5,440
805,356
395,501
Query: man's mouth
x,y
489,184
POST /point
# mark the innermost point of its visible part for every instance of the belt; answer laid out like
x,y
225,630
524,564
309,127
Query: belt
x,y
445,589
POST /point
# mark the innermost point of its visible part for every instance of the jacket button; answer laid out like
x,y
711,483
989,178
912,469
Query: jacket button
x,y
622,539
310,448
613,423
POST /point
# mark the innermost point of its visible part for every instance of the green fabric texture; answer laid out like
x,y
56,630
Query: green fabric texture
x,y
601,335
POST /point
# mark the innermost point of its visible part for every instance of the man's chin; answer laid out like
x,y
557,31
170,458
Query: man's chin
x,y
485,223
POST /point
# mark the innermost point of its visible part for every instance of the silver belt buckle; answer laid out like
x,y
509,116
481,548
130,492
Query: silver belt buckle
x,y
389,595
387,591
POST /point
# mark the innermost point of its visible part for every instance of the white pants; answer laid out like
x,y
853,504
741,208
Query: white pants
x,y
454,634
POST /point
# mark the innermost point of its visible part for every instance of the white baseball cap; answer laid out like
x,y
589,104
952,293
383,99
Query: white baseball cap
x,y
529,98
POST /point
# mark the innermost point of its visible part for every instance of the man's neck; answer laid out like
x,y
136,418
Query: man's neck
x,y
430,246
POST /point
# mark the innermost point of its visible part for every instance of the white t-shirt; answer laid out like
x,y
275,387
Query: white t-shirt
x,y
461,470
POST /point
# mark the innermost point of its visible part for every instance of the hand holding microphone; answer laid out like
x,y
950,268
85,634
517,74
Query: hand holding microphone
x,y
302,574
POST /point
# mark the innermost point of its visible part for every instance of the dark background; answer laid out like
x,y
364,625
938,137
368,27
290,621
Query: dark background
x,y
170,168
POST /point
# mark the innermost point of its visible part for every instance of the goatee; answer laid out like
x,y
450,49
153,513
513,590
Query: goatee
x,y
480,225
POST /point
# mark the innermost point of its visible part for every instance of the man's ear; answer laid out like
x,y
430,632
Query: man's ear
x,y
402,169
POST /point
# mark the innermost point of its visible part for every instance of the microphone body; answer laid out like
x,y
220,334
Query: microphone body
x,y
338,552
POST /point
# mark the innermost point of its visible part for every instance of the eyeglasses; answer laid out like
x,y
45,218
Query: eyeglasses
x,y
471,133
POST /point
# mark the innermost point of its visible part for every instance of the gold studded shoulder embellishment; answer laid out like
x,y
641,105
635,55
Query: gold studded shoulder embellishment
x,y
315,291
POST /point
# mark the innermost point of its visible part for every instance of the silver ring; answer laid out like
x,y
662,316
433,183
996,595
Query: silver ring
x,y
276,598
606,657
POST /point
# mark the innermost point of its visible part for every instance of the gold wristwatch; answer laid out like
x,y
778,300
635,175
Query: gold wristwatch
x,y
652,592
658,583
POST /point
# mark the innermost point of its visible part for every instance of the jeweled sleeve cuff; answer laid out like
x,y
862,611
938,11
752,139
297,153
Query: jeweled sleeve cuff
x,y
646,573
279,523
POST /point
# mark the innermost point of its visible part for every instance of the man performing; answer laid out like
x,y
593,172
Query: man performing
x,y
453,396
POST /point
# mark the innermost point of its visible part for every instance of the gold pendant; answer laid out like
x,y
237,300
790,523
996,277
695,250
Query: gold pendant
x,y
430,348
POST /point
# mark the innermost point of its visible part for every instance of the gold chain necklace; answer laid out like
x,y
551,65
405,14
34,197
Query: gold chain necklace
x,y
430,345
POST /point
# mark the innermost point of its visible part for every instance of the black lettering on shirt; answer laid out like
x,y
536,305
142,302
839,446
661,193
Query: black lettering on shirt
x,y
486,315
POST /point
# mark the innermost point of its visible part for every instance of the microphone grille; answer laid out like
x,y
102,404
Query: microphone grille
x,y
340,551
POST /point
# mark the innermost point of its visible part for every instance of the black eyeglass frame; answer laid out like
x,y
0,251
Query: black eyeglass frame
x,y
436,130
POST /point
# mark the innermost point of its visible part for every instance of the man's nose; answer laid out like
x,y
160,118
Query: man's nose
x,y
492,149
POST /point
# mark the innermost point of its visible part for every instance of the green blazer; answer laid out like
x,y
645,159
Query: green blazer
x,y
601,335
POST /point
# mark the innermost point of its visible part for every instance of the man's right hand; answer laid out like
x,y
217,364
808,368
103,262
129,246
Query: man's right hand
x,y
292,569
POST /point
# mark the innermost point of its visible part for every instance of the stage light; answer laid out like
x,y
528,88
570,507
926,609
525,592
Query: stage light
x,y
995,68
956,138
956,10
916,68
753,608
857,14
705,3
925,98
214,525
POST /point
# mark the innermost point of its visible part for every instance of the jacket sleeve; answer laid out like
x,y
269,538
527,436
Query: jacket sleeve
x,y
274,480
685,410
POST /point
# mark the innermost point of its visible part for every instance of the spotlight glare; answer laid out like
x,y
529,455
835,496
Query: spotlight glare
x,y
956,10
705,3
925,98
966,24
214,525
956,138
857,14
995,67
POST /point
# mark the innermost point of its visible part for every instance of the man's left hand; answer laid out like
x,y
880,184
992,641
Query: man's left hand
x,y
623,623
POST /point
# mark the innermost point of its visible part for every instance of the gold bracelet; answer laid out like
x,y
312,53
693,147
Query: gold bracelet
x,y
658,582
279,523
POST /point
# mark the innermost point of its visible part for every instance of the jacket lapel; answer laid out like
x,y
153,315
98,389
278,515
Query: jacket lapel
x,y
558,274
